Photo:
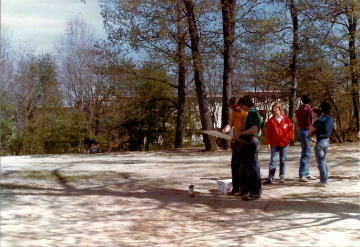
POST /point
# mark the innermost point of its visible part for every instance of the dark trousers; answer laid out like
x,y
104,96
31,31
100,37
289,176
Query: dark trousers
x,y
238,168
252,163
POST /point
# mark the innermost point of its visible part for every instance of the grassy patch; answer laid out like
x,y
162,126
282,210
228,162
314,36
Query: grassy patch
x,y
81,177
14,186
31,175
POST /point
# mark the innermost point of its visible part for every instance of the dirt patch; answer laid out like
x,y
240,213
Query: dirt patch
x,y
141,199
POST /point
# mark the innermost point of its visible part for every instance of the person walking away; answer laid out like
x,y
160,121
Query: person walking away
x,y
303,122
279,133
250,134
238,168
322,128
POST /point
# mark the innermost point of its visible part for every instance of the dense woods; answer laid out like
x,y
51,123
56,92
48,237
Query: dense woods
x,y
167,69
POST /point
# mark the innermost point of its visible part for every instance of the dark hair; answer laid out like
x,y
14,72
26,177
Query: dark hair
x,y
325,107
246,100
306,98
87,140
317,111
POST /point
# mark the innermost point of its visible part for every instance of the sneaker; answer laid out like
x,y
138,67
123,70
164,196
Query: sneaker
x,y
251,197
268,181
282,180
321,184
303,179
310,177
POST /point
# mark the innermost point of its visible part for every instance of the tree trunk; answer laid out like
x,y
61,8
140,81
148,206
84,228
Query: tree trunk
x,y
337,136
338,116
295,63
352,13
209,141
228,15
181,86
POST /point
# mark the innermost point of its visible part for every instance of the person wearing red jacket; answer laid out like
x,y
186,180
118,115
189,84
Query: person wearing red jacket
x,y
279,133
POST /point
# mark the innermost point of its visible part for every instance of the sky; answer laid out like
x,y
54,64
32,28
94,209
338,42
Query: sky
x,y
41,22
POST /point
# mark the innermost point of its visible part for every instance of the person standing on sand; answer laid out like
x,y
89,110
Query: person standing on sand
x,y
303,122
238,168
279,133
322,128
250,134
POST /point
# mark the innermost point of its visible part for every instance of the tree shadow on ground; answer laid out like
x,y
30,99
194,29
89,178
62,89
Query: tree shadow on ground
x,y
226,213
153,206
167,196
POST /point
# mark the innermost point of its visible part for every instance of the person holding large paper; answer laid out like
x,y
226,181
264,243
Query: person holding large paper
x,y
238,168
251,134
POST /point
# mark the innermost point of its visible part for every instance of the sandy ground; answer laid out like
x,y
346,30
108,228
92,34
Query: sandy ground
x,y
141,199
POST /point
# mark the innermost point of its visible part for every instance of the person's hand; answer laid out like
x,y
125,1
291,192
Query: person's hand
x,y
236,135
269,146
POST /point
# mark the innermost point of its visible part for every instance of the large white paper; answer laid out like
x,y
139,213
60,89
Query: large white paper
x,y
220,134
217,134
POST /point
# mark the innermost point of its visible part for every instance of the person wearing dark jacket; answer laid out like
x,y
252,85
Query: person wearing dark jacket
x,y
91,146
279,133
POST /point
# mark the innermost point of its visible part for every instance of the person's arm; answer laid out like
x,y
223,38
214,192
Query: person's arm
x,y
92,147
228,127
297,122
312,129
250,131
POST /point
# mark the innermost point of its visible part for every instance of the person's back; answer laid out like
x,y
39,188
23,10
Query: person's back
x,y
322,127
238,117
304,116
303,122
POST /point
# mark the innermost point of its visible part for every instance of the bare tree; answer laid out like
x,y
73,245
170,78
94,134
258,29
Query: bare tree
x,y
158,28
6,79
85,85
75,55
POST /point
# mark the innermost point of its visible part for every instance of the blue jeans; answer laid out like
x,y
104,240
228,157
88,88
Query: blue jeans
x,y
320,149
252,163
305,153
94,151
275,150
